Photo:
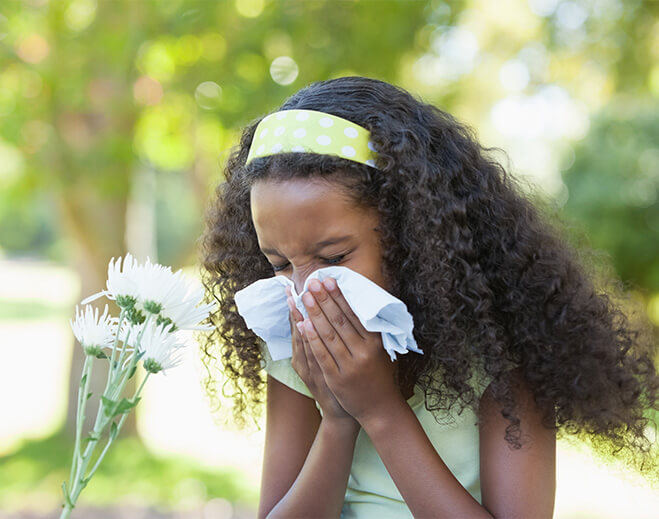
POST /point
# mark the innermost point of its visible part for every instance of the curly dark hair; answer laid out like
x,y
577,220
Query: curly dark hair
x,y
490,281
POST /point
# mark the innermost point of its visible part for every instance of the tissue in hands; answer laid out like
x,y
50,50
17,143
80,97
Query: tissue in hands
x,y
265,311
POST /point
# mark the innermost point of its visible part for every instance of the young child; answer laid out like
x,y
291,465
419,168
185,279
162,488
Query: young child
x,y
517,341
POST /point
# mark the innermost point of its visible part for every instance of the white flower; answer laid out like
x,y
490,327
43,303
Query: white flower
x,y
155,289
129,333
184,313
160,348
94,332
122,284
159,287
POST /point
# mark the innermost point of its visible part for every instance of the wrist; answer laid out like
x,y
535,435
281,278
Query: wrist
x,y
346,427
383,420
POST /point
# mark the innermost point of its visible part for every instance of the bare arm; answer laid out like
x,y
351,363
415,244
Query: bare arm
x,y
359,374
292,421
515,483
306,464
307,460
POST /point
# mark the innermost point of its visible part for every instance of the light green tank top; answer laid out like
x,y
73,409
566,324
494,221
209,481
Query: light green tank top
x,y
371,492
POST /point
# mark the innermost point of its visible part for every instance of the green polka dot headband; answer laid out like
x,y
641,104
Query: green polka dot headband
x,y
310,131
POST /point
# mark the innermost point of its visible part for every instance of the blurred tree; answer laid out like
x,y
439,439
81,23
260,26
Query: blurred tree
x,y
116,108
613,188
116,114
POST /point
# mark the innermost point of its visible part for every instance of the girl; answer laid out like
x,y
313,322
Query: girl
x,y
518,343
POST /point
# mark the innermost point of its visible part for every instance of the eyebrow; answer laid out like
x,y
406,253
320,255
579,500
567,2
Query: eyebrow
x,y
314,248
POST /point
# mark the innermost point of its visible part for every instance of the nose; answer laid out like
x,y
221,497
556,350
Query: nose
x,y
299,277
298,281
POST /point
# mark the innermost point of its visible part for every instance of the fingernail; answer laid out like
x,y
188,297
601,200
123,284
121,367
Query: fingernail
x,y
308,299
329,284
314,285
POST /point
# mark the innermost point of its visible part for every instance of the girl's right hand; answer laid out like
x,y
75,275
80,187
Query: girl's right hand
x,y
305,365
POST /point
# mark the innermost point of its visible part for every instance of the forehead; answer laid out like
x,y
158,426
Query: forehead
x,y
295,209
308,197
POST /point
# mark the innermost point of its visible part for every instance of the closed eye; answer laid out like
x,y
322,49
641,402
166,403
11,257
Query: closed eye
x,y
330,261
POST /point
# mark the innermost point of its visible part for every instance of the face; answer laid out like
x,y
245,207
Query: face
x,y
307,224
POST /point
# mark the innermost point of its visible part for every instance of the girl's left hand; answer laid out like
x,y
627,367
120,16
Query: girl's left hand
x,y
356,367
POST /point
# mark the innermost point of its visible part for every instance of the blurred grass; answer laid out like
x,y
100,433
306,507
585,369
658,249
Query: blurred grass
x,y
129,472
32,310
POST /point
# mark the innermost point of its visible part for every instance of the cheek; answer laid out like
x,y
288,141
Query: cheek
x,y
371,266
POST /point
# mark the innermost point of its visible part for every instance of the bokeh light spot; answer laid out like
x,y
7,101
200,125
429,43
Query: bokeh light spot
x,y
155,60
188,49
80,14
514,75
277,44
147,91
11,163
251,67
208,95
214,46
543,7
283,70
163,133
250,8
101,91
571,15
33,48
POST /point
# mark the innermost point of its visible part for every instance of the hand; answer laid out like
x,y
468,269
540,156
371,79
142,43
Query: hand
x,y
306,366
355,365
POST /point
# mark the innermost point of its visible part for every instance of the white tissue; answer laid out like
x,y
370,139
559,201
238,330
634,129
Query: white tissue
x,y
265,311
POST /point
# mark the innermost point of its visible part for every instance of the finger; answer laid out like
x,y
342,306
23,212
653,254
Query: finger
x,y
297,344
314,368
319,350
291,306
332,288
330,321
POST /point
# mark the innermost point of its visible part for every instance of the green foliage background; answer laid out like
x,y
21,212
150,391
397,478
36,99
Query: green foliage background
x,y
104,103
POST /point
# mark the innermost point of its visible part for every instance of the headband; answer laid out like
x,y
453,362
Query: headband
x,y
310,131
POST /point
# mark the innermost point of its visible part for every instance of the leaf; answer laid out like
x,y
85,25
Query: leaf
x,y
132,371
114,430
126,405
89,395
90,438
108,406
101,355
67,498
83,380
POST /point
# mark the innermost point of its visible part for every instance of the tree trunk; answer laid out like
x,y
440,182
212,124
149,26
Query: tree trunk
x,y
97,230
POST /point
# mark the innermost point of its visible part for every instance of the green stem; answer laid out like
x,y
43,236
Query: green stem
x,y
122,352
111,371
112,388
80,418
125,374
116,381
114,344
121,423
